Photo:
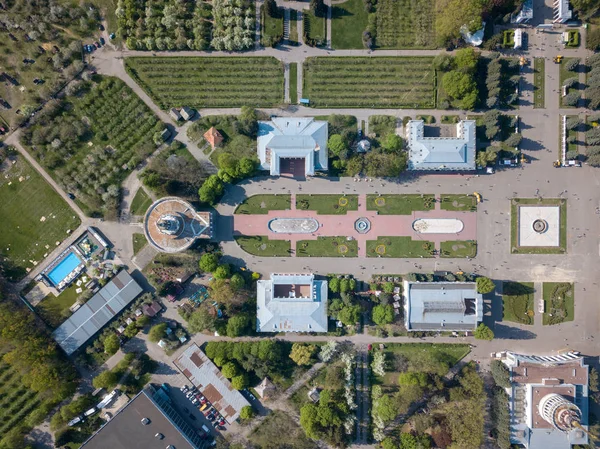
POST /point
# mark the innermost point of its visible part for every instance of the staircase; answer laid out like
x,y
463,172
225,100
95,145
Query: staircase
x,y
286,26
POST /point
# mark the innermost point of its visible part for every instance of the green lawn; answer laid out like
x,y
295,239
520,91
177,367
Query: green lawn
x,y
293,83
327,247
55,309
399,248
458,248
262,204
459,202
22,205
382,125
203,82
327,204
539,74
514,226
141,202
139,241
314,27
260,245
293,39
570,133
272,27
517,298
450,119
563,75
559,298
370,82
348,20
400,204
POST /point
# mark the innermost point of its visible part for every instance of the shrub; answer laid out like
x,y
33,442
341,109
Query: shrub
x,y
572,64
483,333
247,412
485,285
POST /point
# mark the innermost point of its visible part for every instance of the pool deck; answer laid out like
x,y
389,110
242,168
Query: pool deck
x,y
343,225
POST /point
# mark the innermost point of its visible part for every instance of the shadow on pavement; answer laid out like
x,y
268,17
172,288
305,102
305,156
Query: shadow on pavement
x,y
502,331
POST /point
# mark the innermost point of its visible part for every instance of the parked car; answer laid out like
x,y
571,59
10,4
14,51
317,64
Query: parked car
x,y
211,417
102,41
101,27
194,401
112,36
184,389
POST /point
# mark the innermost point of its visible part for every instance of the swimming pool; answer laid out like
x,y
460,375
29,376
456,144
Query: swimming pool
x,y
64,268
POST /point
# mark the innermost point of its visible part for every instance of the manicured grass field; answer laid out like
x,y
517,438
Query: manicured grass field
x,y
203,82
348,20
314,26
399,248
327,204
260,245
382,125
55,309
518,302
370,82
539,74
140,203
22,205
514,226
293,83
458,248
139,242
405,24
400,204
327,247
262,204
458,202
559,298
17,402
293,39
563,75
272,27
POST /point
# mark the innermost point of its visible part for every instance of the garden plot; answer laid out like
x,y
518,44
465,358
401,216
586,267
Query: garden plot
x,y
209,82
379,82
405,24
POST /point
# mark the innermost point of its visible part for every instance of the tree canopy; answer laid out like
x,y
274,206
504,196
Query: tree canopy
x,y
485,285
451,15
483,332
302,354
383,314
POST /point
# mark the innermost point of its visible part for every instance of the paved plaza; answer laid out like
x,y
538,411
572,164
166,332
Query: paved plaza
x,y
539,225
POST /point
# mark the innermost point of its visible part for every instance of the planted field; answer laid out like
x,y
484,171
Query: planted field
x,y
33,216
16,401
399,248
262,204
559,299
348,20
327,247
405,24
400,204
378,82
458,202
518,302
458,248
539,74
327,204
209,82
260,245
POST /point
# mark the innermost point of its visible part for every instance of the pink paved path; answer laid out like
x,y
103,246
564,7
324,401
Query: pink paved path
x,y
343,225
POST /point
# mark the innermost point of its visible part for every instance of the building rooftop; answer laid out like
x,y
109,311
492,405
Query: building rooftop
x,y
205,376
441,153
448,306
97,312
213,137
126,430
291,303
287,138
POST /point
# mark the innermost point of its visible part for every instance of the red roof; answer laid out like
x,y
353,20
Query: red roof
x,y
213,137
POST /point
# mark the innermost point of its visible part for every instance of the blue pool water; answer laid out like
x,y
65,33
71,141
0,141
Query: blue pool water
x,y
63,269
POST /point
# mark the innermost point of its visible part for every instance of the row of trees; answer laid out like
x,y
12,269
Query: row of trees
x,y
592,92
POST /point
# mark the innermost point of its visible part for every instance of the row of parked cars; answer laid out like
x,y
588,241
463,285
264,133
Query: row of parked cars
x,y
88,48
205,407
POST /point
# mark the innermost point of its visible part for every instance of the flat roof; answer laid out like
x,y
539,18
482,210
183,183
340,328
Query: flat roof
x,y
205,376
97,312
126,430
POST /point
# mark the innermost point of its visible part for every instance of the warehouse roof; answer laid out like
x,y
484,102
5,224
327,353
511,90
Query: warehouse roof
x,y
449,306
99,310
205,376
291,303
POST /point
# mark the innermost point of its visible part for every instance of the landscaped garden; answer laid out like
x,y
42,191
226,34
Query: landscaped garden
x,y
405,24
327,204
55,309
327,247
260,245
514,226
139,242
399,248
271,24
459,202
209,81
382,125
140,203
380,82
315,30
458,248
348,20
262,204
559,302
34,217
539,75
90,142
518,302
569,80
403,204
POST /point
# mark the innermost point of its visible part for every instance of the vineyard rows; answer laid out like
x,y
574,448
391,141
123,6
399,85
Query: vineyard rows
x,y
16,402
380,82
405,24
209,82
